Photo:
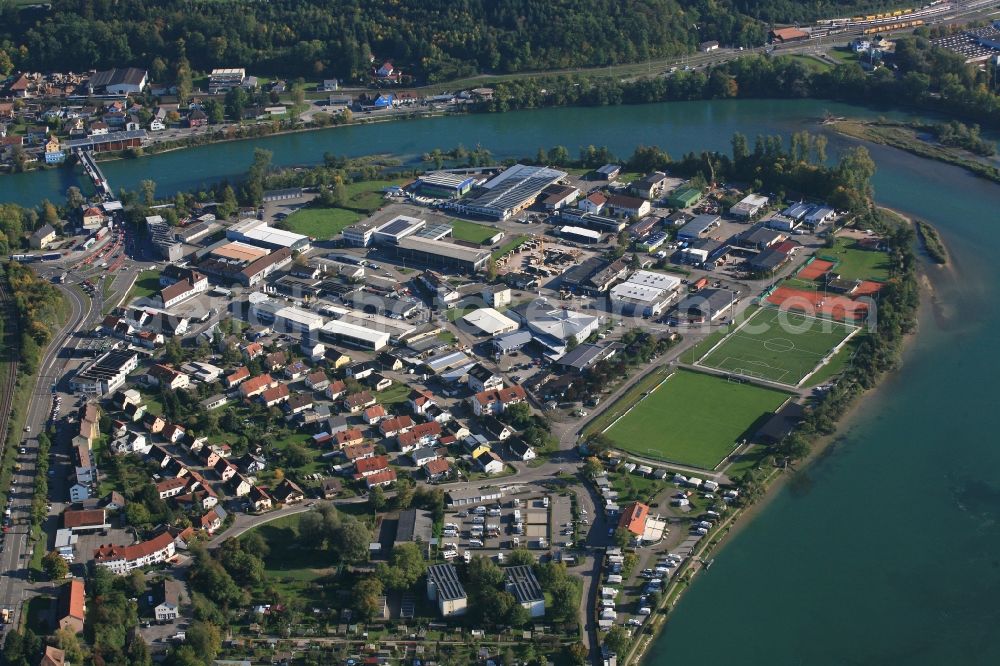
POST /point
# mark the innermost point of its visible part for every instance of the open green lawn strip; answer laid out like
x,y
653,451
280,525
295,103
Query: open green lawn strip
x,y
368,195
321,223
777,346
146,284
693,419
629,398
836,364
471,232
855,263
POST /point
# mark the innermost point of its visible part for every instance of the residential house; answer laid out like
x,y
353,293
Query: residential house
x,y
171,487
520,450
349,437
72,606
239,486
288,492
496,429
257,385
368,466
355,452
225,469
42,237
317,381
166,597
173,433
299,403
167,377
394,426
275,361
358,401
495,401
422,456
420,435
374,414
330,487
385,477
437,469
481,378
53,656
260,500
120,560
489,462
335,390
361,370
212,520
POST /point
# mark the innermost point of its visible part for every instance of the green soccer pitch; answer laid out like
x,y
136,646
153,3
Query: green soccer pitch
x,y
778,346
693,419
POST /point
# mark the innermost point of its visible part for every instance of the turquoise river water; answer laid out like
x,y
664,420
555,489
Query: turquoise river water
x,y
886,550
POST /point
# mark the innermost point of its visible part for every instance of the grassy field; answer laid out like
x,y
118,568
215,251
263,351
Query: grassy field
x,y
367,196
838,362
856,263
812,63
693,419
321,223
146,285
778,346
472,232
629,398
700,349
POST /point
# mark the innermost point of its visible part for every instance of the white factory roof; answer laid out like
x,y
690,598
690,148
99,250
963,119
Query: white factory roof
x,y
490,321
304,318
258,230
340,327
653,279
636,292
569,230
445,178
522,172
754,200
561,324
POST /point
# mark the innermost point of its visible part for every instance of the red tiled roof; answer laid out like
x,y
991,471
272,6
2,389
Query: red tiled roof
x,y
437,466
371,464
355,451
135,551
634,517
83,518
74,599
384,476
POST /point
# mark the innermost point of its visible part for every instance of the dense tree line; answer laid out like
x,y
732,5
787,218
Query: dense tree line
x,y
436,39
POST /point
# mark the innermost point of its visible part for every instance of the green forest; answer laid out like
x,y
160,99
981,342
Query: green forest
x,y
433,40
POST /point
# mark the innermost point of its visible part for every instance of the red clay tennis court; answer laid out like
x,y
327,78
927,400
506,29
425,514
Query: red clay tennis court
x,y
815,270
838,308
867,288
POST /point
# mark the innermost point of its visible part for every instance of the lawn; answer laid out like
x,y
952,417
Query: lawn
x,y
288,557
395,394
456,313
146,284
693,419
838,363
696,352
778,346
812,63
472,232
320,223
856,263
367,196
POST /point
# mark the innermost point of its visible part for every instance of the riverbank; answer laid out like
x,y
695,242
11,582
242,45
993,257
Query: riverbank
x,y
907,137
777,478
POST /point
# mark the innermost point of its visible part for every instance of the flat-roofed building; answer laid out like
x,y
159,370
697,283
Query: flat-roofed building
x,y
706,305
443,254
445,185
749,206
106,373
580,234
397,229
258,232
490,321
444,587
521,582
245,264
353,335
700,225
225,79
359,234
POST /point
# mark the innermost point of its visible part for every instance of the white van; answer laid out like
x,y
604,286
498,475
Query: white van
x,y
475,543
450,554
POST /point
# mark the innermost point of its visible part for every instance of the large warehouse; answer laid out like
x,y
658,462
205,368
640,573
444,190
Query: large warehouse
x,y
442,254
511,192
257,232
353,335
490,322
397,229
645,293
444,184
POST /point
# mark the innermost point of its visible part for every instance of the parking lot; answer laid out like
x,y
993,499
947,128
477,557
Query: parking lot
x,y
494,529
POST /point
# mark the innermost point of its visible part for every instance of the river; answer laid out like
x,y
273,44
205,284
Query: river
x,y
885,550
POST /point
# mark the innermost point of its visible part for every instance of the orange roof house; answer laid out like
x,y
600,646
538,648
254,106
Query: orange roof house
x,y
634,517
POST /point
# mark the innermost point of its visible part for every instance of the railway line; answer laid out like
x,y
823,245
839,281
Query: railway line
x,y
10,381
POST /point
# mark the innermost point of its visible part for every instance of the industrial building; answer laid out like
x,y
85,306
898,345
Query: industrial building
x,y
162,237
106,373
490,322
442,254
247,265
359,234
224,79
749,206
684,197
445,185
645,293
705,306
396,229
119,81
444,587
286,318
353,335
554,328
257,232
511,192
522,583
580,234
699,226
